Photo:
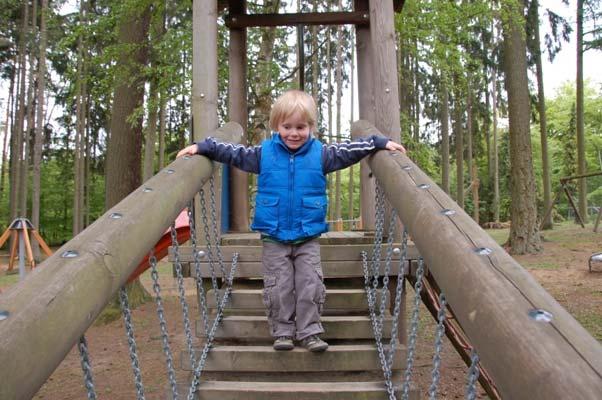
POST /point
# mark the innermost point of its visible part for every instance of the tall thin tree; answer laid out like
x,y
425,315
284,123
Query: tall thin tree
x,y
39,136
524,233
581,164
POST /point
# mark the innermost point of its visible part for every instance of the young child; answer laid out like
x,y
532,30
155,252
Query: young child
x,y
290,211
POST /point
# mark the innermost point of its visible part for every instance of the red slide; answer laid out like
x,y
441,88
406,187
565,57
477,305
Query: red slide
x,y
160,251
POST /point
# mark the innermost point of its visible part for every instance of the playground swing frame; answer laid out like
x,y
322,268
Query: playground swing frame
x,y
565,189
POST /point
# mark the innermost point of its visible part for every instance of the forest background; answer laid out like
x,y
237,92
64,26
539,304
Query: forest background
x,y
76,76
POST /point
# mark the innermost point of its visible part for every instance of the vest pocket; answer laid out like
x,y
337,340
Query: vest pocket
x,y
266,213
313,218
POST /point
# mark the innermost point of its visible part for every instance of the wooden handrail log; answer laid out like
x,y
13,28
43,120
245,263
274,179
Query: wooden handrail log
x,y
490,294
55,305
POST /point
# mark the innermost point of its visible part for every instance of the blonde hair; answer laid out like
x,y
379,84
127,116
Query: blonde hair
x,y
289,103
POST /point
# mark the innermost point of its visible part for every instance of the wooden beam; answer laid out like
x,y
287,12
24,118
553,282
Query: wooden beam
x,y
495,300
50,310
365,89
237,108
326,18
204,90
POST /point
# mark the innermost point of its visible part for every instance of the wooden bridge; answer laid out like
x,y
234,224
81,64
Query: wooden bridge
x,y
243,364
530,346
496,302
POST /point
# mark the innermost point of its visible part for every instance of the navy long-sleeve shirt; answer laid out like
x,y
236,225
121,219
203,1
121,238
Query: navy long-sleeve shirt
x,y
335,156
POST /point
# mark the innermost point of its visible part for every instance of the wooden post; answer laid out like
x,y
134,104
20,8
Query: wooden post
x,y
204,87
386,94
237,105
365,88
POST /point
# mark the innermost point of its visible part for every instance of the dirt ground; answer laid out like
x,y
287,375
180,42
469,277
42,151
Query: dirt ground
x,y
561,269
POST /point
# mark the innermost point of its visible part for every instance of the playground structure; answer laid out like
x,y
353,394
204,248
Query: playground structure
x,y
20,229
529,345
564,188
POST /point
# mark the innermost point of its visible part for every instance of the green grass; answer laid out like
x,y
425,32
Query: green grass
x,y
543,265
9,280
499,235
592,321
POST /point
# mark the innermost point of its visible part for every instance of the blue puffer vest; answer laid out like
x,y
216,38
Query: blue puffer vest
x,y
291,199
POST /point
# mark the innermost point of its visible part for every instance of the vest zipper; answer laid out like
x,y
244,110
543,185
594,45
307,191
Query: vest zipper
x,y
290,190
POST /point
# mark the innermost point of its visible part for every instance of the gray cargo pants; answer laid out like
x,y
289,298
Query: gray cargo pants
x,y
294,291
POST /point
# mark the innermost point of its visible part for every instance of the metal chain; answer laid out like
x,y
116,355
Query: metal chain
x,y
129,330
398,296
473,376
373,320
435,375
216,235
198,370
413,330
200,290
82,346
182,293
209,254
163,325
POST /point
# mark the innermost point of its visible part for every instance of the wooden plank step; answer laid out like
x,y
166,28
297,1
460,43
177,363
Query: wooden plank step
x,y
251,390
348,252
360,357
331,269
344,237
248,327
336,299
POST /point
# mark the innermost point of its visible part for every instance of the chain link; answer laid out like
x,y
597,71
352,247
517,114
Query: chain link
x,y
129,330
200,289
208,245
435,375
398,296
473,376
372,288
198,370
182,294
82,346
413,331
163,325
216,235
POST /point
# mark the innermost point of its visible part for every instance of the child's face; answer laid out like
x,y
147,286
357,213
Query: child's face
x,y
294,131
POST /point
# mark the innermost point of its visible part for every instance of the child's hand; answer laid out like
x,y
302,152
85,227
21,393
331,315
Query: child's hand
x,y
188,151
391,145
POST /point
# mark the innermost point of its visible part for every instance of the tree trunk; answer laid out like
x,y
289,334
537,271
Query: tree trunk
x,y
18,129
263,87
494,150
123,151
315,71
331,213
459,136
39,137
80,114
151,133
581,165
444,137
339,82
524,234
541,108
123,165
162,121
7,123
469,134
31,100
351,117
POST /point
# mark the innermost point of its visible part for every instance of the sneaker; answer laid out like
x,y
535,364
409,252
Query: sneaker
x,y
314,344
284,343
